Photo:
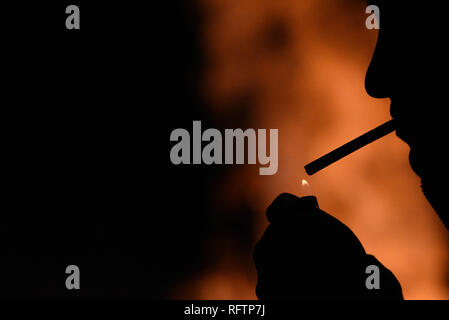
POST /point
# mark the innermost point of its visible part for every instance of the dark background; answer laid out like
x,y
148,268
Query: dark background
x,y
86,179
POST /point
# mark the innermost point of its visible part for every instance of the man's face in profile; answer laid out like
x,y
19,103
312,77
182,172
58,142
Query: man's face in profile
x,y
408,58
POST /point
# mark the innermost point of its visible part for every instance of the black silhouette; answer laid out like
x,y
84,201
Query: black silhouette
x,y
86,177
350,147
306,253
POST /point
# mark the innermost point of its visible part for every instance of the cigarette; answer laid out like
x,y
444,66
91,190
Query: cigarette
x,y
350,147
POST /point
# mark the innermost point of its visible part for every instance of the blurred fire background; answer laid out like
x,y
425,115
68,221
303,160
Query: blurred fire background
x,y
299,66
165,231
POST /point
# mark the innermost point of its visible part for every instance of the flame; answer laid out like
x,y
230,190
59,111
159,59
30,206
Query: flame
x,y
304,183
306,189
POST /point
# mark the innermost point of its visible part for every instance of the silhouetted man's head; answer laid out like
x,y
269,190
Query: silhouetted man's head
x,y
409,66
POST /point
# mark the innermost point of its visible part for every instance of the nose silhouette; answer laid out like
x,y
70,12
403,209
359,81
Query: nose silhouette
x,y
377,81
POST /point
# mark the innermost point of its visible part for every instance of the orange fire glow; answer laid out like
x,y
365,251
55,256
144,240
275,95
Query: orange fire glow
x,y
299,66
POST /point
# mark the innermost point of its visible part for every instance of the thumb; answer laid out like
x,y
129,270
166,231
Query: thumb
x,y
287,207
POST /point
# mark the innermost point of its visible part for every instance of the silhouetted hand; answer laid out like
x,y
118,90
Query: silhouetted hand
x,y
307,254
